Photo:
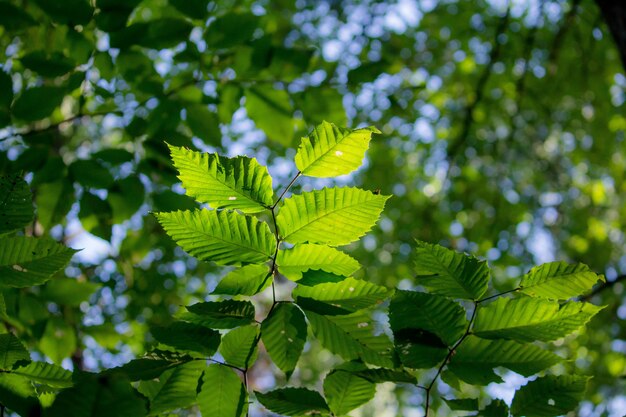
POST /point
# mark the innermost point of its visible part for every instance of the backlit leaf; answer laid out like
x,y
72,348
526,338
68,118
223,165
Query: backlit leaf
x,y
330,151
345,391
293,401
46,374
293,262
222,393
232,183
559,280
188,337
226,238
333,216
177,388
11,351
549,396
247,280
529,319
350,294
221,314
240,346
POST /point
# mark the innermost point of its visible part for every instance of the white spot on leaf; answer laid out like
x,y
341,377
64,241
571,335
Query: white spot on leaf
x,y
19,268
551,401
361,325
290,339
338,153
351,289
232,198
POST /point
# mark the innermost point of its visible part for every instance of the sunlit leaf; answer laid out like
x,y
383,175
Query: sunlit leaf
x,y
350,294
247,280
330,151
226,238
345,391
220,314
559,280
46,374
240,346
333,216
222,393
529,319
177,388
11,351
188,337
293,262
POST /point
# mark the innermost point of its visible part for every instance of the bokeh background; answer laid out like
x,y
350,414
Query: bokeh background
x,y
502,136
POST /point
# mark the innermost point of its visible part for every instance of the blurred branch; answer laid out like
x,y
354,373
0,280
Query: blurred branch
x,y
566,23
468,119
602,287
614,13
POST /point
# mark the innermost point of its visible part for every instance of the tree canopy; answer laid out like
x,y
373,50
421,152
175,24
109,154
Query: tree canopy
x,y
403,208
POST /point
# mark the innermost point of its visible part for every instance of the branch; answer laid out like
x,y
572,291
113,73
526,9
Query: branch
x,y
614,13
600,288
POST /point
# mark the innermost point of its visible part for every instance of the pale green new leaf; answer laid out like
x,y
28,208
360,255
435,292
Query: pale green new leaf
x,y
226,238
450,273
332,216
549,396
292,263
433,313
11,351
528,319
16,203
475,359
222,393
350,294
330,151
46,374
352,337
240,346
220,314
345,391
233,183
176,388
559,280
284,334
26,261
248,280
293,401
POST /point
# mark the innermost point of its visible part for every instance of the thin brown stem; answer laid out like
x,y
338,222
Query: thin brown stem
x,y
482,300
293,180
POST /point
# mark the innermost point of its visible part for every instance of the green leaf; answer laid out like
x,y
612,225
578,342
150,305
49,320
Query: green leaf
x,y
352,337
70,12
54,200
18,394
14,18
231,29
272,112
59,340
196,9
177,388
16,204
284,334
322,103
233,183
48,64
68,291
98,395
204,123
11,351
292,263
248,280
146,368
188,337
529,319
330,151
380,375
26,261
450,273
293,401
91,173
475,359
496,408
46,374
240,346
350,294
433,313
158,33
559,280
419,349
333,216
469,404
549,396
345,391
226,238
37,103
222,393
221,314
